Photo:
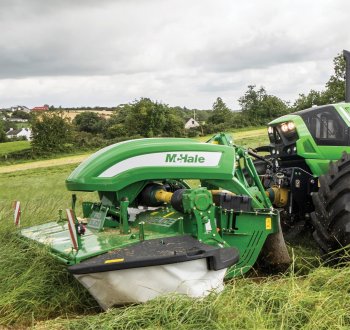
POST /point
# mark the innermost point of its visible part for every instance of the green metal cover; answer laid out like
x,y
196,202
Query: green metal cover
x,y
120,165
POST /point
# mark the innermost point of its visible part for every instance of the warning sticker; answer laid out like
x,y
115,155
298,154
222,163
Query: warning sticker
x,y
114,260
268,223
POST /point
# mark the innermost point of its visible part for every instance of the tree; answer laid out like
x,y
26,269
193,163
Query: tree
x,y
260,107
221,113
20,114
174,126
90,122
334,91
335,87
146,118
2,132
142,117
307,101
51,132
251,101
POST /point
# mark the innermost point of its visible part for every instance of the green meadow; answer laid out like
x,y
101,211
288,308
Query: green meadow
x,y
8,147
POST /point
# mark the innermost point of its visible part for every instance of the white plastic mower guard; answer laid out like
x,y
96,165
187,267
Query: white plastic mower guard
x,y
155,267
139,285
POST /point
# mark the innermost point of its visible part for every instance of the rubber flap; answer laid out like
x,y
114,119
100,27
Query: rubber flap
x,y
159,251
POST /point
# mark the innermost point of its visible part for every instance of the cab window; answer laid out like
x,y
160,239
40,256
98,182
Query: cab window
x,y
326,126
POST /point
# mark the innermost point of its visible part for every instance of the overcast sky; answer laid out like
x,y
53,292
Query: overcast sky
x,y
180,52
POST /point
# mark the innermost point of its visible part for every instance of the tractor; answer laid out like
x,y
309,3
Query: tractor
x,y
308,162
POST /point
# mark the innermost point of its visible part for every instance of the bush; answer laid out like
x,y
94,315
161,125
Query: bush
x,y
193,132
52,133
84,140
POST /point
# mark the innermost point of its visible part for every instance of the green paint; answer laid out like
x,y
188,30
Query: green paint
x,y
112,225
317,156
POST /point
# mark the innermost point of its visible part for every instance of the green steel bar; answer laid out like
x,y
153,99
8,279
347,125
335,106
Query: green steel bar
x,y
124,228
142,231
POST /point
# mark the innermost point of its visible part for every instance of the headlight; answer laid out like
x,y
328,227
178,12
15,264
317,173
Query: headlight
x,y
291,125
284,128
288,127
270,130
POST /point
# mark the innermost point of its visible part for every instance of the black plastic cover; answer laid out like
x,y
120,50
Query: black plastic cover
x,y
233,202
159,251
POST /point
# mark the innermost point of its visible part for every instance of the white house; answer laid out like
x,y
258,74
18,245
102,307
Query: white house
x,y
191,123
16,133
20,108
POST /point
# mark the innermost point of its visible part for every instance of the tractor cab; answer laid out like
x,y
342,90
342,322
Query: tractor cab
x,y
311,138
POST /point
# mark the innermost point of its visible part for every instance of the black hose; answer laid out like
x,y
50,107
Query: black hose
x,y
255,155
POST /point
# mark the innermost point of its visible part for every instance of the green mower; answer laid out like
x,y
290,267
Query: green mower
x,y
174,215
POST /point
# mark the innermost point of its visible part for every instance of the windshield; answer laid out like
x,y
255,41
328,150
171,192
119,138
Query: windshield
x,y
326,126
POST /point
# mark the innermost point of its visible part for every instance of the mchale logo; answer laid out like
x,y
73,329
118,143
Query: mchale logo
x,y
180,158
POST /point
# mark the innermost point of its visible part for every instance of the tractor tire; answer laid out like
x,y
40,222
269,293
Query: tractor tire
x,y
331,218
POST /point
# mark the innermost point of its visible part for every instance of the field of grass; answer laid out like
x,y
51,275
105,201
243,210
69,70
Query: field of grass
x,y
38,292
8,147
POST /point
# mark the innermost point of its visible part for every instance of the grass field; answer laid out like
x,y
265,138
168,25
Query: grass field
x,y
8,147
38,292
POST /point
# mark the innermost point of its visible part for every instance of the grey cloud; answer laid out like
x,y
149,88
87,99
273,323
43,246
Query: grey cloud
x,y
64,38
190,51
259,52
219,86
89,38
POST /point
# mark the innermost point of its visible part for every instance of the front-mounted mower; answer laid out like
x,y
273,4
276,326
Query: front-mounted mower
x,y
174,215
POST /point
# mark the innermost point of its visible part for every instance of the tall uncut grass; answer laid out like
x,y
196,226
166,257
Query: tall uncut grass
x,y
36,291
319,300
32,284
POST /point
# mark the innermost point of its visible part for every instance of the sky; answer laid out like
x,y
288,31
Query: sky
x,y
179,52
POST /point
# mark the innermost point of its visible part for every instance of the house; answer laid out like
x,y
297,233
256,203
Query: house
x,y
20,108
17,133
42,108
191,123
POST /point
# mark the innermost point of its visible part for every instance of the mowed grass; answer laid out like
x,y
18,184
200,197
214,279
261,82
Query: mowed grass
x,y
36,291
8,147
247,137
